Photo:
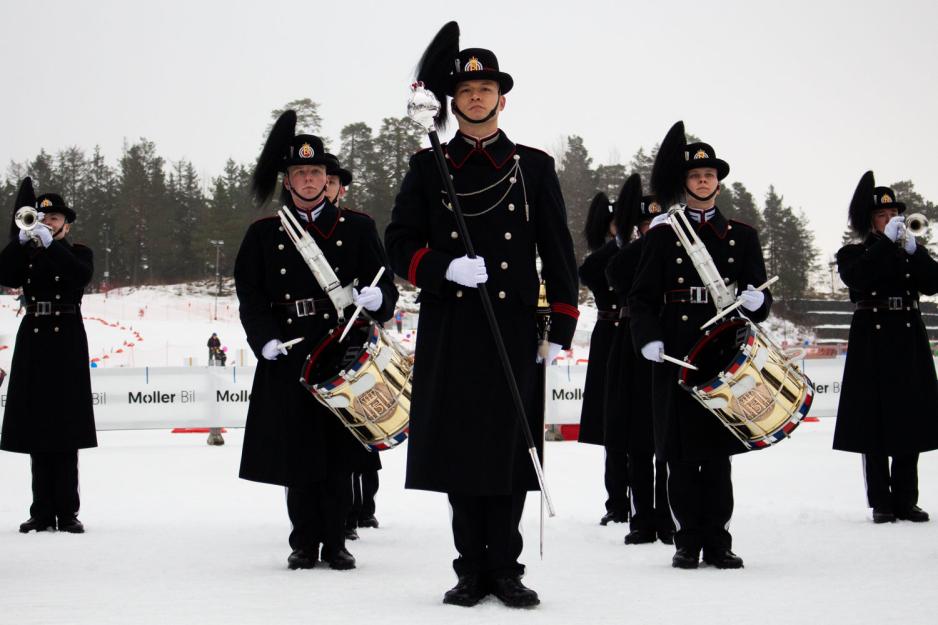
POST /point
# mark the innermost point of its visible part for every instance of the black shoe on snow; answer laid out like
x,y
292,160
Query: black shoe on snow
x,y
467,592
338,559
351,533
914,514
368,521
686,559
513,593
302,559
71,525
639,537
882,515
667,537
723,559
613,517
37,525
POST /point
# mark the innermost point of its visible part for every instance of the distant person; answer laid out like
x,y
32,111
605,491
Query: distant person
x,y
889,395
399,320
214,346
49,414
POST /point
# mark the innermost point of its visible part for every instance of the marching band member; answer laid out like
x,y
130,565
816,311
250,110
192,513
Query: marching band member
x,y
49,421
888,350
514,209
290,439
600,234
629,411
668,304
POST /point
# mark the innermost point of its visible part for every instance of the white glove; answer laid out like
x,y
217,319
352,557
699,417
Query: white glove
x,y
660,219
273,349
467,271
24,237
893,228
752,299
369,298
44,234
653,350
910,244
553,350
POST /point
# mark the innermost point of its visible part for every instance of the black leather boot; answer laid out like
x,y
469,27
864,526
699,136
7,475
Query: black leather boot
x,y
71,525
883,515
368,521
38,525
467,592
513,593
338,559
638,537
686,558
914,514
723,559
303,559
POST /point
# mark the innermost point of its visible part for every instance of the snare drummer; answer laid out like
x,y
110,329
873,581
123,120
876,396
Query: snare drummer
x,y
668,304
889,397
513,210
290,439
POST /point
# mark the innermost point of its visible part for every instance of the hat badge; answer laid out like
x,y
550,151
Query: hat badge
x,y
886,199
701,154
474,65
306,151
654,208
46,203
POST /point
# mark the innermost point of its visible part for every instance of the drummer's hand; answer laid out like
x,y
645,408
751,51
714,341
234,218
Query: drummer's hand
x,y
752,299
369,298
894,227
653,350
273,349
467,271
553,350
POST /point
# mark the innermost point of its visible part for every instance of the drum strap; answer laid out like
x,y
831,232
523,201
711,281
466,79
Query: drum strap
x,y
893,304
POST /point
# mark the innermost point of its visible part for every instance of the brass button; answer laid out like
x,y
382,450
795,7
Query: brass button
x,y
454,235
29,280
501,295
35,330
280,246
677,243
56,328
57,313
873,293
505,266
877,326
341,218
283,271
338,243
679,260
280,228
611,289
730,260
286,296
616,324
908,325
58,297
56,278
683,317
512,180
732,243
680,280
875,310
908,276
325,316
459,293
508,236
511,207
614,306
289,320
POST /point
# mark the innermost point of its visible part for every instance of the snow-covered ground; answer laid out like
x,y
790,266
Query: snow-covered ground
x,y
174,537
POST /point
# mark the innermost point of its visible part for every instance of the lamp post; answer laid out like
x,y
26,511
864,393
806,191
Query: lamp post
x,y
217,243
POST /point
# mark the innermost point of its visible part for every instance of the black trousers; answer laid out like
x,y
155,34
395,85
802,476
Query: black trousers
x,y
896,489
649,485
318,513
364,489
701,497
487,533
55,485
616,479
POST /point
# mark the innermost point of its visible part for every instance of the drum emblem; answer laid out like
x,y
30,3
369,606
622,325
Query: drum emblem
x,y
377,403
754,405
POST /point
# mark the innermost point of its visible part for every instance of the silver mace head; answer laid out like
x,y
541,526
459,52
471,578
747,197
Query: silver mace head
x,y
423,106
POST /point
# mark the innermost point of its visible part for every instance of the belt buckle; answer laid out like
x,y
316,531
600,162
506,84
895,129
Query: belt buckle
x,y
43,309
305,307
699,295
895,303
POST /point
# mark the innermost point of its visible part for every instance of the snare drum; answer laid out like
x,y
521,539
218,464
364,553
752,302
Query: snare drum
x,y
748,383
365,381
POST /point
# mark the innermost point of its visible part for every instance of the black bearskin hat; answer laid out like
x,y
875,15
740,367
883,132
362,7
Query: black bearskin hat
x,y
627,206
598,219
283,149
675,158
436,66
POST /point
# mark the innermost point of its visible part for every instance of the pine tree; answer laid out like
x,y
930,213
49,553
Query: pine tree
x,y
578,184
358,156
396,142
609,179
308,119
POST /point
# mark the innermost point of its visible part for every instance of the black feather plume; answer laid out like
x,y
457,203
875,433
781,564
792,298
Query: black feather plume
x,y
860,204
667,174
598,219
270,161
628,207
436,65
26,196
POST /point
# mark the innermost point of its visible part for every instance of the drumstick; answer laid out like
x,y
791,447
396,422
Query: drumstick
x,y
291,343
358,309
739,302
686,365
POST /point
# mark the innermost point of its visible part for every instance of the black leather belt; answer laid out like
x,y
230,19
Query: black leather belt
x,y
692,295
888,304
607,315
304,307
47,309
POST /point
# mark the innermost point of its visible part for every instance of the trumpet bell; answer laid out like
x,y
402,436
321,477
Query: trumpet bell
x,y
26,218
916,224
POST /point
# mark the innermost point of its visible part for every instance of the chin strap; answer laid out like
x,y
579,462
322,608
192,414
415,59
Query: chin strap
x,y
474,121
702,199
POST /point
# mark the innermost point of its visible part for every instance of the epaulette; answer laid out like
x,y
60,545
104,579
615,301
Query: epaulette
x,y
356,212
740,223
80,245
422,150
260,219
528,147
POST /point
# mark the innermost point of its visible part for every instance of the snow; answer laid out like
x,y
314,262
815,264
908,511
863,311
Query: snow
x,y
173,536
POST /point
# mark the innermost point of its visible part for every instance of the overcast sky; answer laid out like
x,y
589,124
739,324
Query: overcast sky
x,y
802,95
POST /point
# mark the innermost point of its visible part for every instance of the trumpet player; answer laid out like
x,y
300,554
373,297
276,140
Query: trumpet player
x,y
668,304
49,412
888,351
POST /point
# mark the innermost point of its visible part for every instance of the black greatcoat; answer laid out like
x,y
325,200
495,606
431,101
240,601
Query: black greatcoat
x,y
628,408
593,276
48,406
464,436
290,438
685,430
889,396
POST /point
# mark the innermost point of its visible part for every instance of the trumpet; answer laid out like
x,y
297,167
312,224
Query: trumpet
x,y
27,219
916,225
